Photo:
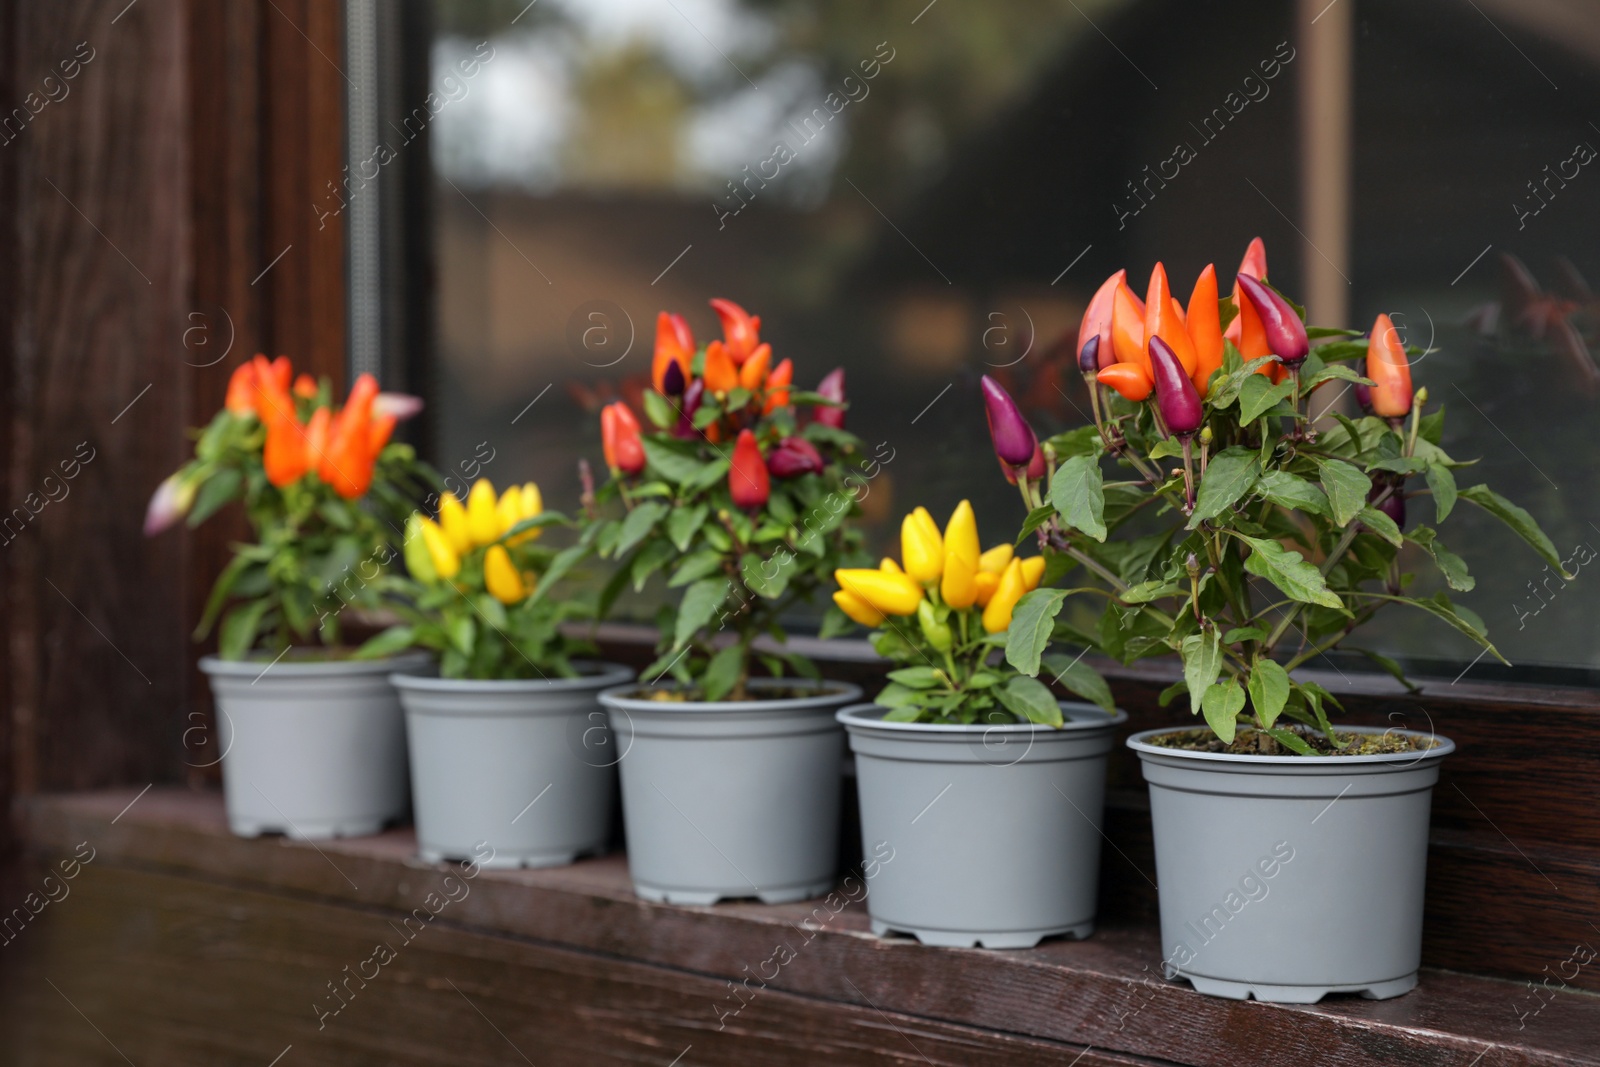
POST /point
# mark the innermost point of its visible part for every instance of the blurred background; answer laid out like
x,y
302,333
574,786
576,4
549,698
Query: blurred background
x,y
926,197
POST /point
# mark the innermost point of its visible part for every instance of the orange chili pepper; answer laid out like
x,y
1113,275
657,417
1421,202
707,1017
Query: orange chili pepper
x,y
778,383
674,344
720,373
345,459
754,372
242,390
1127,327
1159,321
1204,324
740,330
1246,331
305,386
1129,379
1389,370
1096,325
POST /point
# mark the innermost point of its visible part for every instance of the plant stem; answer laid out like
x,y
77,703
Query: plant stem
x,y
1188,476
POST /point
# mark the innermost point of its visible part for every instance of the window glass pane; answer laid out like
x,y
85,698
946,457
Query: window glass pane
x,y
923,198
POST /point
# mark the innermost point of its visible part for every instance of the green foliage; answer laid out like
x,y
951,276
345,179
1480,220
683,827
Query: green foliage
x,y
315,553
1281,549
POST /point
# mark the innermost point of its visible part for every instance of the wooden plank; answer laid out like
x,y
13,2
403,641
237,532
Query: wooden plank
x,y
176,971
1099,992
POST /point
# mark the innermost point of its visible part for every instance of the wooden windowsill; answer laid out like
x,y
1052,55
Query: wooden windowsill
x,y
861,993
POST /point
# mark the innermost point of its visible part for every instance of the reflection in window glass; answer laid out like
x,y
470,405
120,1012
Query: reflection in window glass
x,y
924,198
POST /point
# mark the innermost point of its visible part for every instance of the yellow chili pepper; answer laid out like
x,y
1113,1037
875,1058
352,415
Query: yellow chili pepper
x,y
960,557
889,565
857,609
1032,571
483,520
446,561
891,594
994,561
509,510
453,520
532,504
984,583
500,575
921,547
997,615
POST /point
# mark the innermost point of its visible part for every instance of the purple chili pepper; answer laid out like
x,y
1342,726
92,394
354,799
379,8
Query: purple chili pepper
x,y
1014,441
691,403
1089,355
1286,334
831,388
793,457
672,379
1176,397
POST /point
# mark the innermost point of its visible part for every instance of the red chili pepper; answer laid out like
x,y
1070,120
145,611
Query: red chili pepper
x,y
1036,467
619,438
831,388
748,482
1389,370
740,330
674,347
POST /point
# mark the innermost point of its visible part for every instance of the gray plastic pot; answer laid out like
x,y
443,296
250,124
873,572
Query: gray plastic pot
x,y
731,799
982,835
524,766
1286,878
311,749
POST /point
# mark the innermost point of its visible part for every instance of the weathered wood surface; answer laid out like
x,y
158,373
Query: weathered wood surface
x,y
1059,997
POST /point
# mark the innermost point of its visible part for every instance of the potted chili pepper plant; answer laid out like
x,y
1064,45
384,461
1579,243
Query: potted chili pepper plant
x,y
1237,535
312,740
730,781
959,736
508,744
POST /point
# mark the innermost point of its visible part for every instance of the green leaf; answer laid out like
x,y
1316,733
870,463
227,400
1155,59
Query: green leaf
x,y
463,633
1081,679
834,623
767,578
1078,493
1202,662
1521,523
239,629
722,673
672,462
659,410
710,474
1032,621
1293,492
1443,484
1028,699
684,523
698,607
637,526
1166,448
1269,690
1381,524
1440,607
394,639
1331,372
1244,633
702,563
1036,518
918,677
216,491
1144,592
1222,704
649,560
559,567
1288,571
1258,395
1229,476
1452,566
1080,441
1346,486
1171,693
1291,741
